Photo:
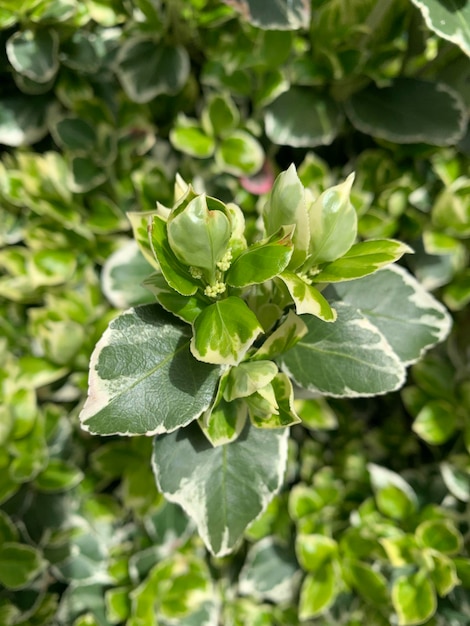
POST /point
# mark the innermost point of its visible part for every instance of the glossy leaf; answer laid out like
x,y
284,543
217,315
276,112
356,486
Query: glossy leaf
x,y
349,358
282,413
307,299
410,111
448,20
436,422
286,335
262,261
361,260
302,118
190,138
224,488
34,54
187,308
19,564
318,592
224,331
440,535
239,154
23,120
407,315
278,16
313,551
248,377
147,68
138,377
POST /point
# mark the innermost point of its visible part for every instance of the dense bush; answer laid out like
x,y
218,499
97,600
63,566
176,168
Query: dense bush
x,y
102,104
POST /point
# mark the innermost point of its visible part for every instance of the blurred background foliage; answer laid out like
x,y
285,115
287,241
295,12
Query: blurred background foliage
x,y
102,102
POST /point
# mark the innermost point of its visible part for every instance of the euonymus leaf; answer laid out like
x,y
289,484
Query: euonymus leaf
x,y
282,413
286,335
191,139
413,598
262,261
362,259
199,236
333,224
410,111
143,378
407,315
318,591
224,332
19,564
224,488
175,273
223,423
34,54
248,377
270,572
278,15
348,358
285,205
22,120
450,20
187,308
307,299
239,154
140,227
220,116
302,118
147,68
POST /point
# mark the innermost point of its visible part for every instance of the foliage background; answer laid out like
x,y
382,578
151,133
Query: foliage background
x,y
101,103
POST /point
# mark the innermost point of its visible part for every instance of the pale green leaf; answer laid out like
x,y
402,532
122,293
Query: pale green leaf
x,y
283,412
413,598
318,591
19,564
286,335
223,422
440,535
34,54
239,154
188,137
224,331
450,20
143,378
307,299
224,488
436,422
278,15
362,259
187,308
248,377
314,551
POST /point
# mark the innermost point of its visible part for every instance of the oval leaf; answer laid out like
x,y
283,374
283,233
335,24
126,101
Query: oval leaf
x,y
240,154
307,299
413,598
450,20
279,15
224,488
346,359
139,381
410,111
34,54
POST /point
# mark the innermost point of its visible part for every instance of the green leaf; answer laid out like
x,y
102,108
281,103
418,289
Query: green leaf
x,y
440,535
223,422
34,54
263,260
333,224
86,174
436,422
456,477
270,572
147,68
199,236
188,137
362,259
407,315
318,592
123,275
74,134
410,111
450,20
280,15
286,204
444,574
307,299
175,273
302,118
19,565
187,308
395,498
286,335
139,377
58,476
140,222
282,413
371,585
220,116
224,331
248,377
316,414
349,358
23,120
314,551
239,154
413,598
224,488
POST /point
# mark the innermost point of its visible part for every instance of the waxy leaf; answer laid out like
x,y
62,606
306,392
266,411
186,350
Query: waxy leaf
x,y
248,377
286,205
190,138
139,382
362,259
224,488
147,68
224,332
302,118
283,412
407,315
318,591
313,551
34,54
307,299
333,224
175,273
240,154
23,120
262,261
286,335
410,111
346,359
450,20
199,236
140,222
413,598
221,115
224,422
187,308
19,564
